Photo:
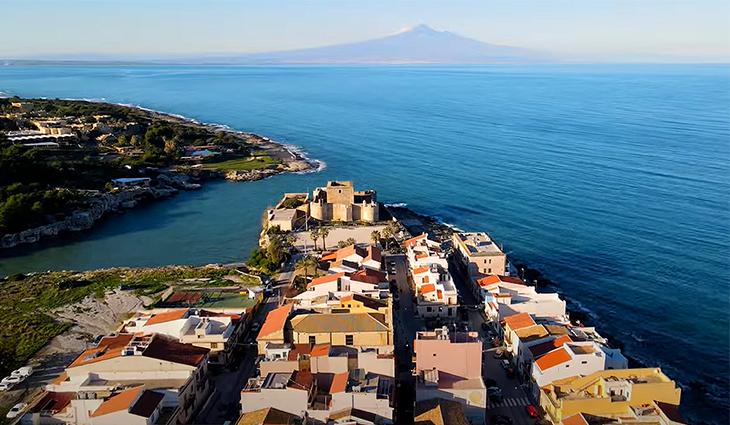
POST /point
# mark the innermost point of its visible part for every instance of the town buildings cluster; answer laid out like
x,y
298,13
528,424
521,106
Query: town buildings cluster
x,y
330,352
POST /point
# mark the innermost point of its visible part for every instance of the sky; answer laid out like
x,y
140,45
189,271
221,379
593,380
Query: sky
x,y
691,30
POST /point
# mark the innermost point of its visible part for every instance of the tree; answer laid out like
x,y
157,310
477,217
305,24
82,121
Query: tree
x,y
134,141
171,145
387,234
324,233
375,236
342,244
305,263
275,250
314,235
122,140
350,241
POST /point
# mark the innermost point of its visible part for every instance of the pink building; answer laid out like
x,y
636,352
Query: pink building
x,y
450,367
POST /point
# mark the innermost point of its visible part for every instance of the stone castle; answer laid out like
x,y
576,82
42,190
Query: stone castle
x,y
339,201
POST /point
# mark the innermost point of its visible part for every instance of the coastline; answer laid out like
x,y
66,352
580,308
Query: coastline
x,y
293,159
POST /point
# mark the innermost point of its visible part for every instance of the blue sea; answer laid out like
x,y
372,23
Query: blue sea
x,y
613,180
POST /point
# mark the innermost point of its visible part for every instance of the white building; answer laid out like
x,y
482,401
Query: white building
x,y
435,290
505,296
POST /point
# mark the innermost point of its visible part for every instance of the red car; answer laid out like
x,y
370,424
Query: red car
x,y
531,410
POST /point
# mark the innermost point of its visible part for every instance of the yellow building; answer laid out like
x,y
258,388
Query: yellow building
x,y
339,201
353,329
358,303
608,393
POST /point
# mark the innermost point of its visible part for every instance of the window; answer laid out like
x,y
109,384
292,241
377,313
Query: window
x,y
428,309
584,362
349,340
490,271
312,340
213,345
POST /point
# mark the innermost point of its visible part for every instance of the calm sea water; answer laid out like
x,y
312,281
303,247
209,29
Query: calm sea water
x,y
613,180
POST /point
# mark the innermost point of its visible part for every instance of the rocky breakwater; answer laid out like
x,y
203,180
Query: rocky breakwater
x,y
293,166
100,204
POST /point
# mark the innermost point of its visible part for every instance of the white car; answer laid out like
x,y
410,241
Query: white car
x,y
5,386
15,410
13,379
24,371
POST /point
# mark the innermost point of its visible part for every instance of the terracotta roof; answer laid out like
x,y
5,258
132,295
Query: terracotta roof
x,y
146,403
190,298
168,316
552,359
339,322
413,240
330,256
518,321
108,348
118,402
419,270
425,289
494,279
325,279
301,380
275,320
576,419
374,254
267,416
52,402
545,347
167,348
421,255
368,276
339,383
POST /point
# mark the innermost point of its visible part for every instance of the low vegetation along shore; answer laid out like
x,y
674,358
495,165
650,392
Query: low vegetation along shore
x,y
40,306
68,163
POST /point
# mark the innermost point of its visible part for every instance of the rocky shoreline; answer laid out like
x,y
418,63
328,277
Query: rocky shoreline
x,y
167,183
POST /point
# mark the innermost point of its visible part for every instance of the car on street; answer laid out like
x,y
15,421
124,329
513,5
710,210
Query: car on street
x,y
500,420
5,386
24,371
499,354
505,364
531,411
255,327
15,410
13,379
494,391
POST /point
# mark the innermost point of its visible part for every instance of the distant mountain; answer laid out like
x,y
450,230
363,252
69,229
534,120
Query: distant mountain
x,y
420,44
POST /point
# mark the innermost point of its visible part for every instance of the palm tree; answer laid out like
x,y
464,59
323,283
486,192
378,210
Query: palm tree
x,y
314,235
387,234
305,263
324,232
375,237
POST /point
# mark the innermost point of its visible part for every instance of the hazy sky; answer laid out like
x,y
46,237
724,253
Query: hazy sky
x,y
608,29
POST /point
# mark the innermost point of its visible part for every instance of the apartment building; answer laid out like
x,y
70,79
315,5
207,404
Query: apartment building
x,y
505,296
354,329
480,255
608,393
436,295
138,378
449,365
215,331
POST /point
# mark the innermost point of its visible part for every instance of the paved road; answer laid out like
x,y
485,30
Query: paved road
x,y
406,324
514,397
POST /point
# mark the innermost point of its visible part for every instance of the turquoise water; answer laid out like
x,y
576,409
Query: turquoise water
x,y
612,180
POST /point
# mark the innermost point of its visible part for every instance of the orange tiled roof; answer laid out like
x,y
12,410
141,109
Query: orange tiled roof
x,y
419,270
413,240
118,402
108,348
421,255
576,419
545,347
425,289
167,316
552,359
325,279
489,280
519,321
368,276
339,383
330,256
275,320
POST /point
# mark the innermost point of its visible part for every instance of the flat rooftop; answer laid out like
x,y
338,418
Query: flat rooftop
x,y
479,244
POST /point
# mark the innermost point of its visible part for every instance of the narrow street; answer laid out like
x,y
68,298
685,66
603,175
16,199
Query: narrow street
x,y
515,399
223,403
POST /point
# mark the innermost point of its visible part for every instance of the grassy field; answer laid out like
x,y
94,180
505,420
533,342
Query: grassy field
x,y
245,164
26,301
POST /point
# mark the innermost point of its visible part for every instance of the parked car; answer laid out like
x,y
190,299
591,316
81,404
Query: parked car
x,y
494,391
24,371
13,379
531,410
255,327
15,410
5,386
498,354
505,364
